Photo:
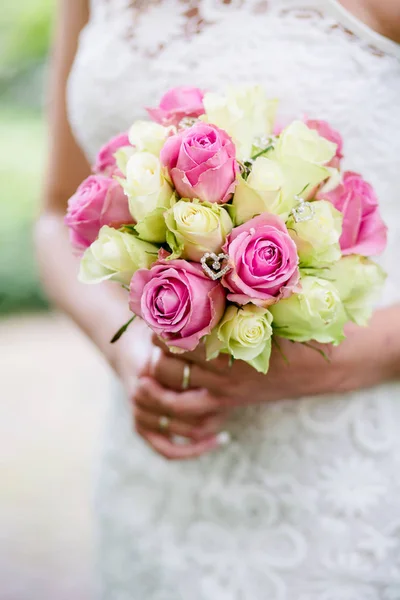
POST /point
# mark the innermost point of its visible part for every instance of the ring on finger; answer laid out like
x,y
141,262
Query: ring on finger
x,y
164,423
186,376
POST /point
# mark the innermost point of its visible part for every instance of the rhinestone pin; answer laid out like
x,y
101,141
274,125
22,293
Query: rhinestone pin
x,y
187,122
216,270
262,142
304,211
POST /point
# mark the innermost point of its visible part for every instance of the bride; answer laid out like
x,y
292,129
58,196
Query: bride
x,y
293,490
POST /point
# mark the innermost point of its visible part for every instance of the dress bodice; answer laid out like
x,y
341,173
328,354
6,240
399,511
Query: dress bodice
x,y
131,52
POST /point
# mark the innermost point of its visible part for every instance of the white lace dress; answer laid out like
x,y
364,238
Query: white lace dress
x,y
305,502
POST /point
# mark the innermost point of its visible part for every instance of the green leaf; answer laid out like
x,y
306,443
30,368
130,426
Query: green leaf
x,y
262,152
281,352
319,350
175,247
122,330
231,210
129,229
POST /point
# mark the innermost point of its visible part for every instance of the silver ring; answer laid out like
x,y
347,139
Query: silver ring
x,y
163,423
186,376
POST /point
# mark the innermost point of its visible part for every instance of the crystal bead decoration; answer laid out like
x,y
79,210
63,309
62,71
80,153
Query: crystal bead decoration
x,y
304,211
187,122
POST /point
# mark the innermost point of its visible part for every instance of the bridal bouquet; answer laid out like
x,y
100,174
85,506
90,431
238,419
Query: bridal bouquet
x,y
228,229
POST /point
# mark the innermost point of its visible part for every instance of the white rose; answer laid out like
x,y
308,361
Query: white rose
x,y
317,239
299,141
245,113
244,333
196,228
146,187
147,136
272,187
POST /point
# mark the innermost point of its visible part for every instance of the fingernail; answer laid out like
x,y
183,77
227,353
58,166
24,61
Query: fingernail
x,y
224,438
179,440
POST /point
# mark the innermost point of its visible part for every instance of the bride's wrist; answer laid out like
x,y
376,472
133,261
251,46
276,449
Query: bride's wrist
x,y
386,324
106,320
129,354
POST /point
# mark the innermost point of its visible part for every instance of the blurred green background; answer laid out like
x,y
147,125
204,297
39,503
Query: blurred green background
x,y
25,35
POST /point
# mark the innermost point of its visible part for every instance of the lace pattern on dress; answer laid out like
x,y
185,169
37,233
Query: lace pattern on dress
x,y
191,17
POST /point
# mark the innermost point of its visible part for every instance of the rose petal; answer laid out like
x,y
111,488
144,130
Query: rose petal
x,y
217,185
363,232
372,239
115,210
178,103
105,160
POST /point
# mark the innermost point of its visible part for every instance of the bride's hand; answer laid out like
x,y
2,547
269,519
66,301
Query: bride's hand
x,y
367,357
160,413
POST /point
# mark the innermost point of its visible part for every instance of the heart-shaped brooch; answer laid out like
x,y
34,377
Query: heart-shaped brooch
x,y
215,265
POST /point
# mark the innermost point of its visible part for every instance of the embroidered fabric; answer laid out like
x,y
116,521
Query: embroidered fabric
x,y
304,504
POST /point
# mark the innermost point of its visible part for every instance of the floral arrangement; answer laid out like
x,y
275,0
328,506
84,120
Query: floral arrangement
x,y
228,229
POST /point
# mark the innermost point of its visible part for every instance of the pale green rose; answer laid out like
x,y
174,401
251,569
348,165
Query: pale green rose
x,y
299,141
359,282
317,239
245,113
149,195
272,187
148,136
196,227
115,255
316,313
244,333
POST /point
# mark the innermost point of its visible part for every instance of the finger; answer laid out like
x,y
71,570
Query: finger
x,y
193,403
171,451
221,363
210,425
169,371
195,429
158,341
188,429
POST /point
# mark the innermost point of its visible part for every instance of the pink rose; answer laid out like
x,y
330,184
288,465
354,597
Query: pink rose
x,y
105,161
178,301
364,231
176,104
264,262
326,131
98,201
202,163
